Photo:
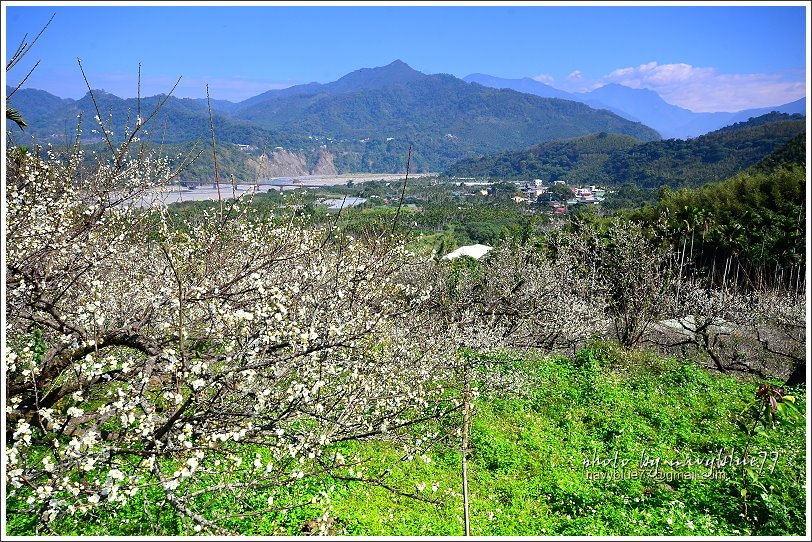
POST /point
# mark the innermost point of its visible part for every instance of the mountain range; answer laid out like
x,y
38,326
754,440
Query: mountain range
x,y
363,122
640,105
367,119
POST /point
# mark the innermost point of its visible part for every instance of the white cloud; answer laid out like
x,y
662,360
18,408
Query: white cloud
x,y
575,81
701,89
621,72
705,89
544,78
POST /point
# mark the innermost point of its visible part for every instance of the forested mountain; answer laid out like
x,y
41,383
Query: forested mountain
x,y
712,157
604,159
223,106
368,119
641,105
442,115
37,104
646,106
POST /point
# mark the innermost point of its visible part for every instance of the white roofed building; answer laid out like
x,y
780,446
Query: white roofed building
x,y
474,251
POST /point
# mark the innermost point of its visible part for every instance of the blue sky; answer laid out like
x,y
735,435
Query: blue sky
x,y
705,58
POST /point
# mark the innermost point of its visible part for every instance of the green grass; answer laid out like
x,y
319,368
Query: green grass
x,y
527,475
531,471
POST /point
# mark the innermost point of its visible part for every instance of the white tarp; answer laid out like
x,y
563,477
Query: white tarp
x,y
474,251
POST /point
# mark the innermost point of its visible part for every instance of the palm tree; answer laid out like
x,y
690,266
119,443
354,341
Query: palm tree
x,y
693,218
13,115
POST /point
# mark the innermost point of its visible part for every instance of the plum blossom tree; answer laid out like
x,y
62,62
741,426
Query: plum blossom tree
x,y
757,332
142,352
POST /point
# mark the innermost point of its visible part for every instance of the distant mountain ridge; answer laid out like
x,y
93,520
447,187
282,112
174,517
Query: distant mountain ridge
x,y
641,105
526,84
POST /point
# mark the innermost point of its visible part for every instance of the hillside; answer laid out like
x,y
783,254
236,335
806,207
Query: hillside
x,y
197,161
37,104
579,160
713,157
344,378
617,161
789,154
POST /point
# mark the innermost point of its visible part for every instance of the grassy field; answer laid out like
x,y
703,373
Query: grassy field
x,y
607,442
